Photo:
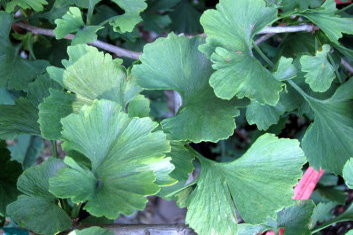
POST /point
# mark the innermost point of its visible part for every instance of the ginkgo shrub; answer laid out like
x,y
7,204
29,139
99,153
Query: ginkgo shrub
x,y
238,63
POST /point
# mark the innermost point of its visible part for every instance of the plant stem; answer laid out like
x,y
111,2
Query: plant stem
x,y
54,148
65,206
76,210
121,52
263,56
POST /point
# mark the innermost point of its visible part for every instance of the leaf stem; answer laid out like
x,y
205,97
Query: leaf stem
x,y
263,56
64,205
76,210
54,148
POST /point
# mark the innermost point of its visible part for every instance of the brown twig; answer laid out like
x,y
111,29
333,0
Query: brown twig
x,y
118,51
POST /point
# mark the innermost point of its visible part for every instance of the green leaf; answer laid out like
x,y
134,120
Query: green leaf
x,y
36,5
20,118
131,17
39,89
90,75
26,150
264,115
258,185
15,72
332,24
348,173
345,216
202,117
6,97
288,5
319,72
285,69
189,21
37,209
86,64
322,213
230,30
139,107
182,158
124,154
9,172
87,34
71,22
55,107
296,220
327,143
92,231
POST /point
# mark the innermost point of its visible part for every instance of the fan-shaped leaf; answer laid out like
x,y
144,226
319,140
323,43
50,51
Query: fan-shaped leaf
x,y
202,116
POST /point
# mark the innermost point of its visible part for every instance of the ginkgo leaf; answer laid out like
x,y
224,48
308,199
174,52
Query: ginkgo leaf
x,y
36,209
124,154
20,118
26,150
9,172
6,97
327,143
296,219
202,116
86,64
332,24
182,158
230,30
285,70
258,185
319,72
36,5
127,21
87,34
71,22
39,89
55,107
287,5
348,173
89,74
15,72
92,231
139,107
264,115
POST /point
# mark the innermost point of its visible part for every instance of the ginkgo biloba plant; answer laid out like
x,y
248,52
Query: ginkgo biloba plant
x,y
233,65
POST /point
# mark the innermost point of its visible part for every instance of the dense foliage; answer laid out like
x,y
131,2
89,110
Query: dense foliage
x,y
226,106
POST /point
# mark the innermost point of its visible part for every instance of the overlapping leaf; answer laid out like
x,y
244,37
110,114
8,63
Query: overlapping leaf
x,y
348,173
127,160
36,209
15,72
230,30
127,21
20,118
26,4
258,185
332,24
26,150
203,116
319,72
72,22
90,75
327,142
9,172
